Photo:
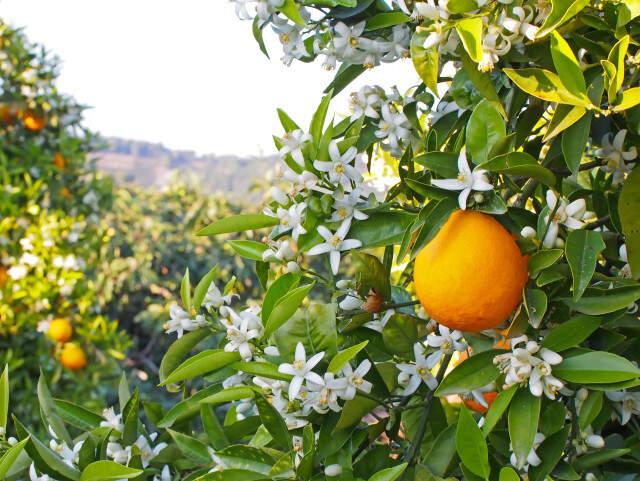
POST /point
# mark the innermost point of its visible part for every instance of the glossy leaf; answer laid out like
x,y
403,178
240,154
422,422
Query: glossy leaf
x,y
425,61
285,308
582,249
597,367
471,445
596,301
545,85
524,414
470,32
484,130
561,12
179,350
550,452
238,223
628,207
520,164
274,423
248,249
571,333
202,363
344,356
108,470
497,409
476,371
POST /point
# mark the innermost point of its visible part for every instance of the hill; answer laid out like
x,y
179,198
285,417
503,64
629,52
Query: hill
x,y
153,165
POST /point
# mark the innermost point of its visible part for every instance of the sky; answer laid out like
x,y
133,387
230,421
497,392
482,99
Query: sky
x,y
184,73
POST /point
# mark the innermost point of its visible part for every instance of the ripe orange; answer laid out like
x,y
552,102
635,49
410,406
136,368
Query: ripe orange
x,y
471,275
4,276
60,330
33,121
58,161
479,408
73,357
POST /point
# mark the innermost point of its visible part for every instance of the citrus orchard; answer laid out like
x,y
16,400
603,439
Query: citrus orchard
x,y
471,275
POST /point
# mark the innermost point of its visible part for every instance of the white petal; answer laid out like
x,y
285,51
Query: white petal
x,y
462,198
334,259
300,354
449,184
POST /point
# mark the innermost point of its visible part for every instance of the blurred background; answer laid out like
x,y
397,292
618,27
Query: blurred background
x,y
124,128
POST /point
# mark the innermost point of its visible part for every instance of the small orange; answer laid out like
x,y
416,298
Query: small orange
x,y
59,161
489,397
33,121
73,357
3,276
471,275
60,330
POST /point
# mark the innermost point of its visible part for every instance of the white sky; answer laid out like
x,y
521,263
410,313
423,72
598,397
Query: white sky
x,y
186,73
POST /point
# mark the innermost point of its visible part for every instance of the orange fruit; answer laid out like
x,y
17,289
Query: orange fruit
x,y
3,276
33,121
60,330
58,161
471,275
73,357
479,408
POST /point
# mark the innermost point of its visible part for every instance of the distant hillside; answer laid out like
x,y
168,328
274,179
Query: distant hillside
x,y
154,165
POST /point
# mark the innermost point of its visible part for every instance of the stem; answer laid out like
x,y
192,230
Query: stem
x,y
416,444
597,223
527,190
386,306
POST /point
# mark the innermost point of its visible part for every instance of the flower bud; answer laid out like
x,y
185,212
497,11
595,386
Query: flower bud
x,y
559,243
333,470
293,267
478,197
528,232
12,441
271,351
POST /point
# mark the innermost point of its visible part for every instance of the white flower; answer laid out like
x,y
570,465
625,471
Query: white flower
x,y
568,214
625,271
447,342
292,143
33,475
588,439
437,35
339,169
430,10
301,370
350,303
398,44
17,272
165,474
347,40
532,457
493,46
520,26
112,420
147,453
412,375
291,219
380,320
466,182
69,456
291,39
394,126
353,380
629,403
345,206
274,387
180,321
323,397
29,259
532,365
280,250
335,243
304,181
241,9
365,102
118,453
240,332
214,298
266,8
443,108
614,155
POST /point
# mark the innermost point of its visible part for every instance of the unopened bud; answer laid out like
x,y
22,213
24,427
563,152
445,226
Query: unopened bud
x,y
528,232
333,470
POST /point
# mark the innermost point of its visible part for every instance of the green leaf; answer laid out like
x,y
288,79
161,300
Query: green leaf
x,y
508,474
238,223
344,356
523,423
470,32
627,11
286,307
571,333
257,35
274,423
187,408
442,453
617,58
545,85
461,6
535,303
574,141
202,363
596,301
233,475
192,448
582,249
179,350
628,207
497,409
381,229
260,368
590,409
202,287
550,452
346,74
287,122
317,122
596,458
567,65
185,291
521,164
76,415
50,413
482,82
485,129
628,98
290,9
108,470
389,474
474,372
561,12
444,164
597,367
385,20
10,456
540,260
425,61
471,445
213,428
400,334
278,288
371,275
123,391
4,397
234,393
130,419
314,327
249,249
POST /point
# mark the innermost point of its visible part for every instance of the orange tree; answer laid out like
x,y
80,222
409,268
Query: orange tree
x,y
486,325
50,232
